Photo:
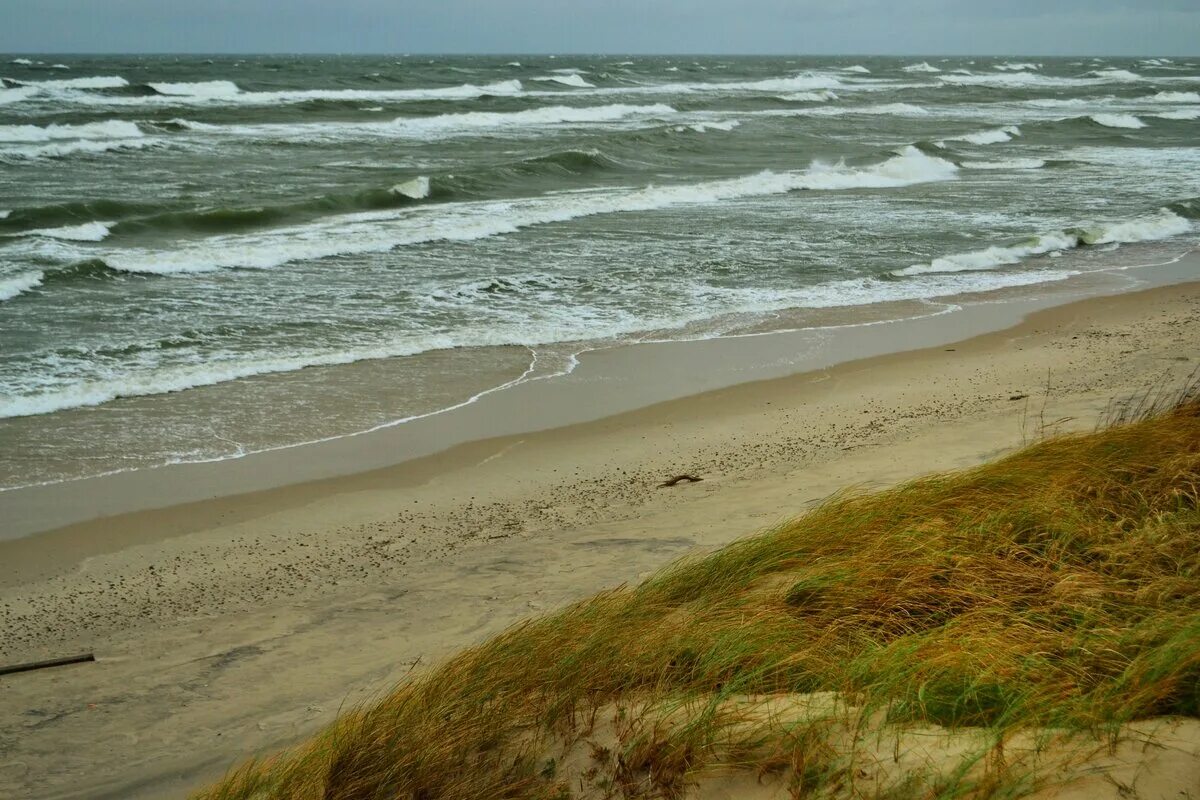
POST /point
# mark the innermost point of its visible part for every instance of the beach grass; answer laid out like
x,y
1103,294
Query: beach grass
x,y
985,630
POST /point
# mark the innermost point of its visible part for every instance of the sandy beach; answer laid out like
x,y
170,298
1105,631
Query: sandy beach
x,y
240,612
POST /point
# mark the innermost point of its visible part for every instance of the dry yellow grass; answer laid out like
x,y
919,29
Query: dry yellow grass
x,y
1056,590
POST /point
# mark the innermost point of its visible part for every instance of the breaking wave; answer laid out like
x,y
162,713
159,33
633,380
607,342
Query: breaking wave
x,y
1163,225
382,231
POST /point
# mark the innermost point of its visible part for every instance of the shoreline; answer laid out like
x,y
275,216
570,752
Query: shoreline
x,y
239,624
603,382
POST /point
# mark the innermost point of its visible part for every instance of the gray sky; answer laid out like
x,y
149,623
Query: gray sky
x,y
943,27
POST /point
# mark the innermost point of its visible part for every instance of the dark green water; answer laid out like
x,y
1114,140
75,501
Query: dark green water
x,y
206,257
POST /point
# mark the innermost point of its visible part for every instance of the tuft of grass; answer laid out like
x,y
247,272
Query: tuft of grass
x,y
1056,591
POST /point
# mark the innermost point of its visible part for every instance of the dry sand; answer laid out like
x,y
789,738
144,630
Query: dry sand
x,y
236,625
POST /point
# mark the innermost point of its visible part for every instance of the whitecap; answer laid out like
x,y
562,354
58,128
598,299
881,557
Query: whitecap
x,y
1163,225
995,136
380,231
87,232
1175,97
1117,120
924,66
111,129
19,284
1008,163
570,79
198,89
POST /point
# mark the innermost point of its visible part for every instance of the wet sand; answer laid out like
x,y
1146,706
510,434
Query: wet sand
x,y
237,624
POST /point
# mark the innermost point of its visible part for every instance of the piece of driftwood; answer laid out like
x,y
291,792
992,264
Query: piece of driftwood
x,y
679,479
53,662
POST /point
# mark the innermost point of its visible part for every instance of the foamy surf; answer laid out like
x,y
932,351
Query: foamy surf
x,y
80,147
10,287
994,136
1163,225
198,89
442,125
1117,121
112,129
87,232
374,232
569,79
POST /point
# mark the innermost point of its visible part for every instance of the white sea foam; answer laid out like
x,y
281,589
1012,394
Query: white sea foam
x,y
87,232
442,125
112,129
721,125
220,95
1122,75
12,286
1180,114
24,62
994,136
924,66
1117,120
92,82
886,109
1175,97
380,231
199,89
567,324
77,147
16,95
1009,163
823,96
1016,66
4,213
1163,225
1020,80
570,79
417,189
859,68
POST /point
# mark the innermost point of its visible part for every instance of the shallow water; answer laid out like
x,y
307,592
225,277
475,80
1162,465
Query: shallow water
x,y
205,257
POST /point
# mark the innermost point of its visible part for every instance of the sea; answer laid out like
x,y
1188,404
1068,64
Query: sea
x,y
204,257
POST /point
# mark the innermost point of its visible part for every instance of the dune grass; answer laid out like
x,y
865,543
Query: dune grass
x,y
1057,589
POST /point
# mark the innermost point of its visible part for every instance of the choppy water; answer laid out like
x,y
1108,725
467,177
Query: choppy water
x,y
193,250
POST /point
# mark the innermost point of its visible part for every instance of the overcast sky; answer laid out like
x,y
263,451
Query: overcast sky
x,y
941,27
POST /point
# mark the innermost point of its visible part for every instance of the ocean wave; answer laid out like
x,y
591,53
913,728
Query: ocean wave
x,y
1016,66
86,232
822,96
886,109
17,95
994,136
1009,163
1121,75
1181,114
569,79
555,325
373,232
93,82
1163,225
1175,97
704,127
1023,80
859,68
12,286
1117,120
442,125
77,147
112,129
198,89
924,66
218,93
